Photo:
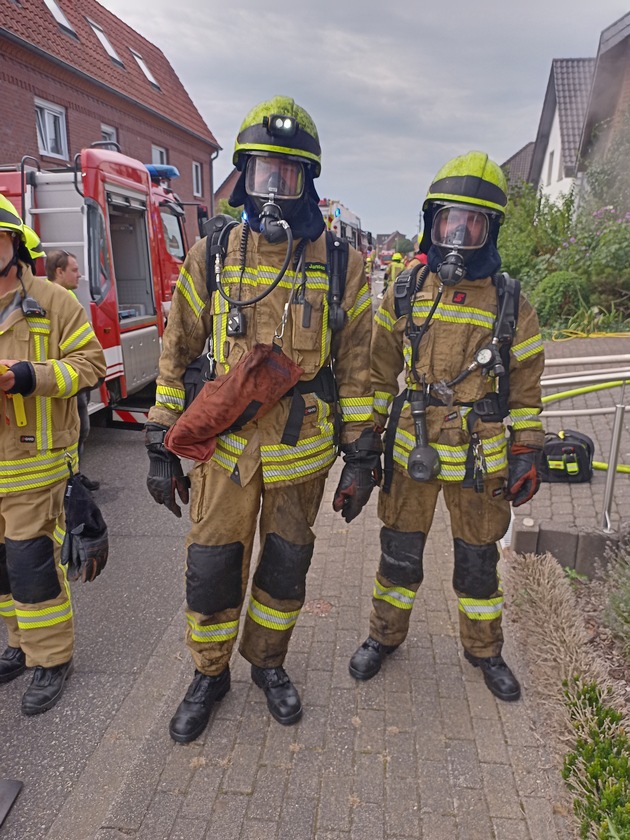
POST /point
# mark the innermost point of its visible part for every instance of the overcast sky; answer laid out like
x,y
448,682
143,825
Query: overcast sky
x,y
395,87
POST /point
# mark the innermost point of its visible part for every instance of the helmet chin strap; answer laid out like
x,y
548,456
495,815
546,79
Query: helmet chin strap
x,y
13,261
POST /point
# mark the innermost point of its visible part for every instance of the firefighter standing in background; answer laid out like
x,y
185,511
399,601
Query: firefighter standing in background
x,y
466,369
278,464
392,271
51,352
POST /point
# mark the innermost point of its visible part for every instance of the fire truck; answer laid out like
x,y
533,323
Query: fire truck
x,y
345,223
126,227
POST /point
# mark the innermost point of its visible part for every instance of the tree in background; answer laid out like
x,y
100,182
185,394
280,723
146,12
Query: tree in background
x,y
228,210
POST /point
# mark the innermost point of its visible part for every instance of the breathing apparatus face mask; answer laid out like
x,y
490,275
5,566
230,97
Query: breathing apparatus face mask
x,y
276,185
458,232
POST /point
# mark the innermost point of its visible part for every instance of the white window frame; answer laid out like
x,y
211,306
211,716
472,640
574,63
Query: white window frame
x,y
197,178
59,16
144,67
158,155
108,132
105,42
45,112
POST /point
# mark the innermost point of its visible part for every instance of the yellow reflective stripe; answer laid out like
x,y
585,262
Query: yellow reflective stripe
x,y
270,618
173,398
212,632
454,314
382,400
7,608
528,348
78,339
525,418
186,288
59,534
219,328
481,610
39,325
356,408
277,472
38,471
363,301
453,458
397,596
66,377
382,318
47,617
307,446
267,274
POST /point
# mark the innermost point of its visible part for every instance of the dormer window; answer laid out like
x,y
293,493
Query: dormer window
x,y
59,16
145,69
105,42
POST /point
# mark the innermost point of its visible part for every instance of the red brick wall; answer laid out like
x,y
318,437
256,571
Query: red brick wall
x,y
24,76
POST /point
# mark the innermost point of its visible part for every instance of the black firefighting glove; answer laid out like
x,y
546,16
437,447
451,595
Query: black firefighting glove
x,y
166,479
362,472
85,546
524,474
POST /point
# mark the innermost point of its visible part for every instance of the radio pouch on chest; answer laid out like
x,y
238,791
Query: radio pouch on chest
x,y
247,392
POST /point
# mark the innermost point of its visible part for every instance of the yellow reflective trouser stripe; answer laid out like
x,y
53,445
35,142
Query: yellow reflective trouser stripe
x,y
7,608
481,610
397,596
212,632
59,534
30,619
272,619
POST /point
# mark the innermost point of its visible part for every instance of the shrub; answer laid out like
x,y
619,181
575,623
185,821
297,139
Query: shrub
x,y
618,612
559,295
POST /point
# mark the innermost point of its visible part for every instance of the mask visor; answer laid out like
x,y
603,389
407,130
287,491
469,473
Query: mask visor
x,y
277,176
460,227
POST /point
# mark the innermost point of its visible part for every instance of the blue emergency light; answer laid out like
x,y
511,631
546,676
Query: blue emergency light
x,y
337,211
162,171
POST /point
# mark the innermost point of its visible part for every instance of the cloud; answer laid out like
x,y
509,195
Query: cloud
x,y
395,88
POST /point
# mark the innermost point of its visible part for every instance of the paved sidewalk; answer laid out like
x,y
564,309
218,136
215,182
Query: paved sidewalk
x,y
421,751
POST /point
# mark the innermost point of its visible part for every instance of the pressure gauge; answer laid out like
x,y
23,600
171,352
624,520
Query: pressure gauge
x,y
484,356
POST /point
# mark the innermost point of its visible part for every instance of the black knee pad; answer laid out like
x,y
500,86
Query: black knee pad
x,y
401,556
476,569
213,577
5,586
31,570
282,570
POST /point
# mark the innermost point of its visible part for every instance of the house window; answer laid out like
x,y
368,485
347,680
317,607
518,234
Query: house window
x,y
51,129
158,155
197,174
109,133
59,16
145,69
549,168
105,42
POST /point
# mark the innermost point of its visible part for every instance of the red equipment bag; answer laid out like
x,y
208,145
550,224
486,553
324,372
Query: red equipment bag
x,y
254,385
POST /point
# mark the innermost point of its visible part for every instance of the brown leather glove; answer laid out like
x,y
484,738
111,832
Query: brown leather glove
x,y
524,474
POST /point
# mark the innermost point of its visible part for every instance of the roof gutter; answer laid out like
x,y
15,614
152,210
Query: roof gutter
x,y
10,36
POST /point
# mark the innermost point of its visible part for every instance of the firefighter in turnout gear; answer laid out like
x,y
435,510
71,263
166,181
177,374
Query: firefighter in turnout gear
x,y
275,285
392,271
472,352
48,351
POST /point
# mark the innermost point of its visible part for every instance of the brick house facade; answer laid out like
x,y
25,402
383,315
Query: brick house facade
x,y
62,89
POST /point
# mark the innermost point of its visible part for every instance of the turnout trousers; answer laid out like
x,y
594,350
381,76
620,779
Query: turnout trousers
x,y
219,548
34,593
478,520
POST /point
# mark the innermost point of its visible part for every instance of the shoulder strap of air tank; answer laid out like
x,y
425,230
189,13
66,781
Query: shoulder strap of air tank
x,y
508,293
406,285
216,242
337,264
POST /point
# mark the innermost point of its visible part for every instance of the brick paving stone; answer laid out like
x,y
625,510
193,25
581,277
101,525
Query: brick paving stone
x,y
530,770
450,682
227,817
241,773
259,830
335,803
471,811
402,814
540,819
369,778
436,791
439,827
189,829
265,804
500,789
518,725
491,746
511,829
456,718
161,818
402,755
298,818
367,822
464,764
370,728
202,791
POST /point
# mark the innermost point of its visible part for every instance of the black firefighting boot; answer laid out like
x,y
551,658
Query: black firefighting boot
x,y
367,660
193,713
283,700
12,664
497,675
46,688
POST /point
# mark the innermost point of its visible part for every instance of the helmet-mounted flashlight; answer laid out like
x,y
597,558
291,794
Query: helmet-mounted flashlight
x,y
279,125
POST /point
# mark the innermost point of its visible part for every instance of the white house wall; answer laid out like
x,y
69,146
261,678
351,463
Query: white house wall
x,y
552,182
